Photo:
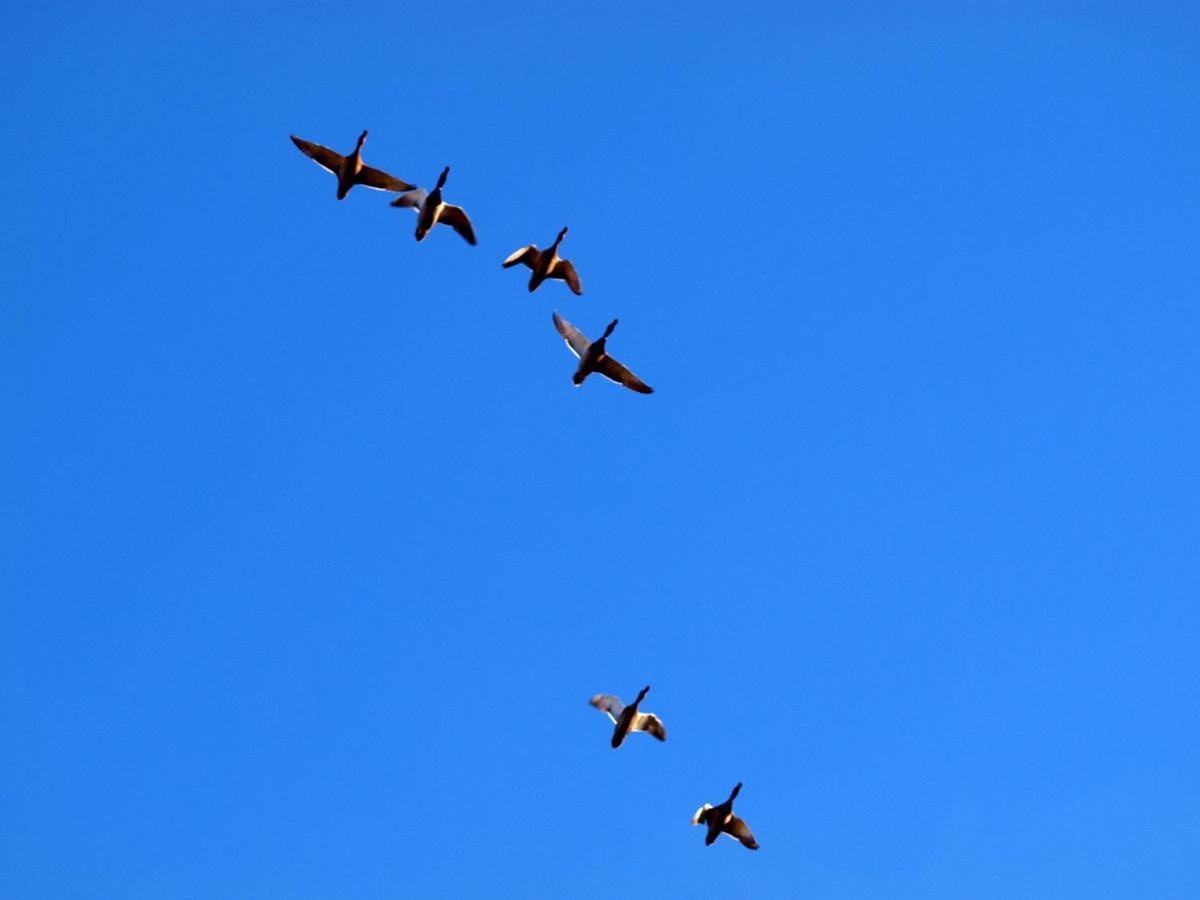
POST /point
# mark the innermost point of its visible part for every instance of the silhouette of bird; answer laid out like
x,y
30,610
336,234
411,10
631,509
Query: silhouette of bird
x,y
432,211
627,718
350,169
721,820
593,357
546,264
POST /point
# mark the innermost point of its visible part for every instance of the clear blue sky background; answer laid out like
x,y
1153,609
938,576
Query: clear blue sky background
x,y
314,555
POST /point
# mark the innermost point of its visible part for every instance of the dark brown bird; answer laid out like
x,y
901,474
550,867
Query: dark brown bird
x,y
432,211
627,718
593,357
546,264
721,820
350,169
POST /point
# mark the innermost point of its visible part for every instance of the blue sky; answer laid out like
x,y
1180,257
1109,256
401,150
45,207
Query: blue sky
x,y
316,555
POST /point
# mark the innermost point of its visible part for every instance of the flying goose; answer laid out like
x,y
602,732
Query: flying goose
x,y
594,358
627,718
350,169
546,264
432,211
720,819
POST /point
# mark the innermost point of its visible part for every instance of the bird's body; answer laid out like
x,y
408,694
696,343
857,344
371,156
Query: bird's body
x,y
593,357
628,718
546,264
432,210
350,170
721,820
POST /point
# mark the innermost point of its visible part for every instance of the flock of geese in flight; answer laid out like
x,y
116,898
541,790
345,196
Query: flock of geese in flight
x,y
593,356
718,819
432,210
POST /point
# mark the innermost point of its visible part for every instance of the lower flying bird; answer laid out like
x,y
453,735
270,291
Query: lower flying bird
x,y
432,211
594,358
720,819
546,264
627,718
350,169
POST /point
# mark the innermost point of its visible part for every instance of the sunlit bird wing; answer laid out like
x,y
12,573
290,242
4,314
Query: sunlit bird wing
x,y
456,218
738,829
322,156
572,335
564,270
609,705
614,371
651,724
381,181
527,255
414,199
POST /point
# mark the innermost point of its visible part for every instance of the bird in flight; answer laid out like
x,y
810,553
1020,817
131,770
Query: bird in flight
x,y
546,264
721,820
350,169
432,211
627,718
593,357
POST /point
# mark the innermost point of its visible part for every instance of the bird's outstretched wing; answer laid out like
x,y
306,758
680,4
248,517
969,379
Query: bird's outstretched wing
x,y
380,181
572,335
527,255
414,199
614,371
322,156
456,218
737,828
609,705
651,724
564,270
